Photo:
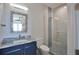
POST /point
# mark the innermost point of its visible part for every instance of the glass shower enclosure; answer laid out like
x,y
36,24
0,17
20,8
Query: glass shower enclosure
x,y
57,30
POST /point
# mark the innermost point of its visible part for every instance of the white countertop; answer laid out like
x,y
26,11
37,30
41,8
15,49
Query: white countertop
x,y
18,42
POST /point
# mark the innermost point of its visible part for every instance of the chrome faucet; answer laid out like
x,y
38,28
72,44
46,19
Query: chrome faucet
x,y
21,37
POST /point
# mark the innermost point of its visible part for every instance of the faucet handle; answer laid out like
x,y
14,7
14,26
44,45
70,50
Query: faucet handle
x,y
28,36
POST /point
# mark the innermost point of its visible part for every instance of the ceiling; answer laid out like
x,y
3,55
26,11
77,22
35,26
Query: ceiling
x,y
53,5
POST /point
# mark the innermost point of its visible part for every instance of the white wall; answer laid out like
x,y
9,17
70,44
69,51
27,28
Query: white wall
x,y
1,10
46,25
71,35
37,20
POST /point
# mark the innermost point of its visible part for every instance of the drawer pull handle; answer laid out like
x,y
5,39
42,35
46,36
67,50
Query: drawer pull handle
x,y
28,47
13,51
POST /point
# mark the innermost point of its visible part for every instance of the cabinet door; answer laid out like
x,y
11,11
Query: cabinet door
x,y
30,48
15,50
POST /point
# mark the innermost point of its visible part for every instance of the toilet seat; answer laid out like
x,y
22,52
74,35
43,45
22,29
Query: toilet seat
x,y
44,48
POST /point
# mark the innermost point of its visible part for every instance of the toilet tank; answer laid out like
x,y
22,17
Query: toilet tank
x,y
39,42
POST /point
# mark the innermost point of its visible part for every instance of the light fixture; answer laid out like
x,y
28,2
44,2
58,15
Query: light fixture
x,y
65,6
19,6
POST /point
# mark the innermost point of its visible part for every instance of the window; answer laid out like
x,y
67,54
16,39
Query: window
x,y
18,22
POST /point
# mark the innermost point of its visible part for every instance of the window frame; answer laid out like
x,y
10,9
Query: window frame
x,y
11,22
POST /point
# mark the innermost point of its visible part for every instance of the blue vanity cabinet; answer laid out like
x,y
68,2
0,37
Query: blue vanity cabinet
x,y
14,50
30,48
23,49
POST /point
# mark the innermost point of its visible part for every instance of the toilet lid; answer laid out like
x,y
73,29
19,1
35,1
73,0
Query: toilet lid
x,y
43,47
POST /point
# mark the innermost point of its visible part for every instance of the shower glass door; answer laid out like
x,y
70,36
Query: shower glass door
x,y
59,41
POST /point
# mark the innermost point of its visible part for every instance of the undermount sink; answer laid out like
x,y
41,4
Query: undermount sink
x,y
20,41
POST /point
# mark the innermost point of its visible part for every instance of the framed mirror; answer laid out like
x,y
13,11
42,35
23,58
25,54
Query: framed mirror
x,y
18,22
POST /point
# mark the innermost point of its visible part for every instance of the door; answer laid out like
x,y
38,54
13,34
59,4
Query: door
x,y
59,43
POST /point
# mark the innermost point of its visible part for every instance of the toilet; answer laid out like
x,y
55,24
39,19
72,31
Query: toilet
x,y
43,49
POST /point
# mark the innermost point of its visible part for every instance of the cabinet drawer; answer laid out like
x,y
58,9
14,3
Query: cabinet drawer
x,y
30,48
12,50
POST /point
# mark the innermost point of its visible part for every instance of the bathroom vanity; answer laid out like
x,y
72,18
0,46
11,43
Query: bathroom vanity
x,y
27,47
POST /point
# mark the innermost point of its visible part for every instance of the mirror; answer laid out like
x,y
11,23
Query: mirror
x,y
18,22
